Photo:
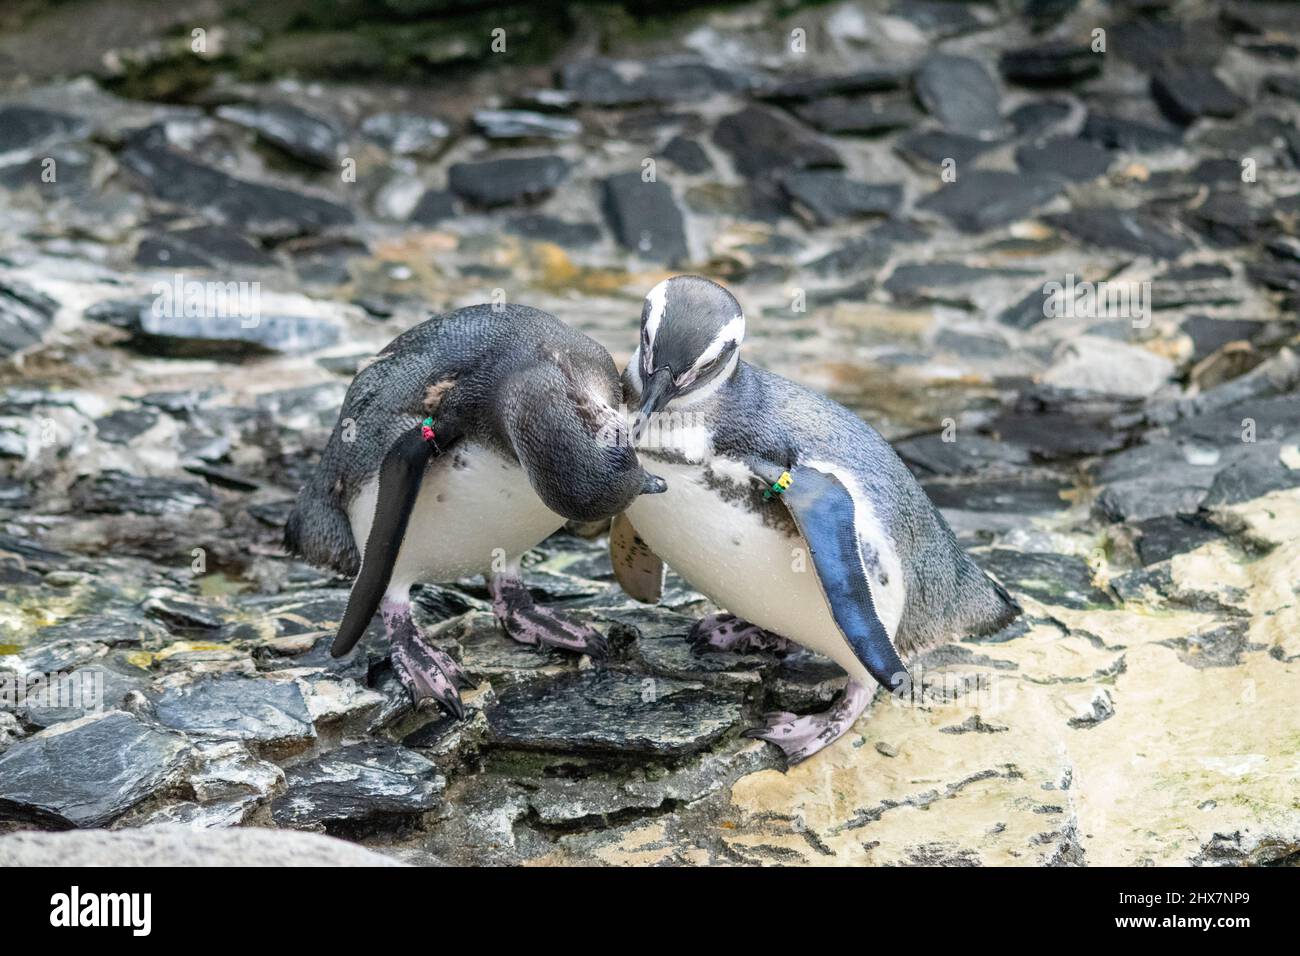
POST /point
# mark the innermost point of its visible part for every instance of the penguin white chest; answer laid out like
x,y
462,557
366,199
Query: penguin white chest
x,y
755,569
474,507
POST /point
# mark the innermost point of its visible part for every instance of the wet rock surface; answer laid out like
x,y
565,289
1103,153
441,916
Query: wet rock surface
x,y
199,254
87,773
656,715
357,783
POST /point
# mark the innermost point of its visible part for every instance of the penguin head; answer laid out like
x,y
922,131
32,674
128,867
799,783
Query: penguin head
x,y
691,330
571,440
586,480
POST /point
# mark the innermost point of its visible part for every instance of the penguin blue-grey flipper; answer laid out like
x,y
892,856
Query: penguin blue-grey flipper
x,y
638,570
825,514
427,671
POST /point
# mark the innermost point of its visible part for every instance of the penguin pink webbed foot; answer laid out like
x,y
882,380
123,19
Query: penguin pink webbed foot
x,y
536,626
799,737
427,672
726,632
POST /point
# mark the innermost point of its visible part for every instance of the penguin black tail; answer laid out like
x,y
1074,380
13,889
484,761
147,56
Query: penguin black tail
x,y
319,532
1000,609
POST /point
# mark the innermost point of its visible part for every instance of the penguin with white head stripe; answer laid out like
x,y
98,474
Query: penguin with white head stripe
x,y
788,511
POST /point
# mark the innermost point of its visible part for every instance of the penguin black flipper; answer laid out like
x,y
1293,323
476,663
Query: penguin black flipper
x,y
823,510
640,572
400,477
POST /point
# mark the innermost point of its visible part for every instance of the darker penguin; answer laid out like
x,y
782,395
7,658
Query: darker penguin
x,y
471,438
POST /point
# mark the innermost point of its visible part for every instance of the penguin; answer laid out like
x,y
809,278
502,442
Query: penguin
x,y
467,441
789,512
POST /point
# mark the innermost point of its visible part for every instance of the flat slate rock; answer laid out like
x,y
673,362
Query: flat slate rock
x,y
194,329
861,115
645,218
1275,418
687,155
525,124
375,778
1050,64
612,712
930,454
500,182
1283,84
1021,495
1057,434
935,146
1039,116
809,88
115,492
1201,283
986,199
915,282
939,19
543,228
1130,230
1033,308
1115,132
827,197
255,710
304,135
1186,95
89,772
25,131
854,257
1257,472
81,692
124,425
1045,13
434,206
1152,481
1230,218
1210,334
761,140
203,246
961,94
406,134
1161,538
255,208
600,82
77,166
1065,156
1058,579
25,316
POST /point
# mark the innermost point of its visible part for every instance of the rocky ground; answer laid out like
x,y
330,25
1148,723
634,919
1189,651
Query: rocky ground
x,y
889,187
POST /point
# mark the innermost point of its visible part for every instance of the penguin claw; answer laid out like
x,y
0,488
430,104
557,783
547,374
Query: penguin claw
x,y
539,626
726,632
429,673
799,737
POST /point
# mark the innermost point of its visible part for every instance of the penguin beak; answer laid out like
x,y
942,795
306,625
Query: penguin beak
x,y
653,485
658,392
